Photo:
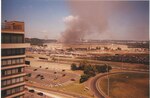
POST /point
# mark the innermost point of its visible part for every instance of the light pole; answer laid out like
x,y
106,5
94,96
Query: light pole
x,y
108,81
122,63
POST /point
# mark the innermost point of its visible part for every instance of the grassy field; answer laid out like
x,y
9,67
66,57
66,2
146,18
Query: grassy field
x,y
127,85
76,87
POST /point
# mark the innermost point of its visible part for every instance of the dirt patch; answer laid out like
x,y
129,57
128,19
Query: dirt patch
x,y
127,85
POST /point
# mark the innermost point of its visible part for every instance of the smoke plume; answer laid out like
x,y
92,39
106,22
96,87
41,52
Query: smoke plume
x,y
93,17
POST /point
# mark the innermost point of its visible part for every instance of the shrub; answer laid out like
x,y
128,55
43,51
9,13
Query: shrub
x,y
82,65
84,78
74,66
89,70
29,74
103,68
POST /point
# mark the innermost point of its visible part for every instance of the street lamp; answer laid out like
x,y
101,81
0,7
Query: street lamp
x,y
122,63
108,80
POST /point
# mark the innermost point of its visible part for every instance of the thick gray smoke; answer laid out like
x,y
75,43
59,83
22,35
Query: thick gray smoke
x,y
76,29
87,18
92,17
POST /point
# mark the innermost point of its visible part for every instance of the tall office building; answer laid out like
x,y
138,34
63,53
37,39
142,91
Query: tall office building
x,y
12,59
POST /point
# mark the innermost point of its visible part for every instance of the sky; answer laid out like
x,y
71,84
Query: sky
x,y
126,20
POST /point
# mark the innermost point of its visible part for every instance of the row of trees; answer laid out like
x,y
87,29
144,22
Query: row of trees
x,y
89,70
139,58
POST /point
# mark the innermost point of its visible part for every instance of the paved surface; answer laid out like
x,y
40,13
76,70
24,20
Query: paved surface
x,y
47,94
51,65
34,95
50,78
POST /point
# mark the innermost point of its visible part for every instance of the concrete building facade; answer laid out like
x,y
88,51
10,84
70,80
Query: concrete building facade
x,y
12,59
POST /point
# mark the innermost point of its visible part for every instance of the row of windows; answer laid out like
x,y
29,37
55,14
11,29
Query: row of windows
x,y
12,38
11,52
12,81
14,61
12,91
12,71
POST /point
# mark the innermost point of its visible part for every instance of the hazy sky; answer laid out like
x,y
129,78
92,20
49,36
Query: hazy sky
x,y
44,18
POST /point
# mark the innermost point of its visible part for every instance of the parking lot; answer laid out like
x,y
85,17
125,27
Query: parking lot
x,y
48,77
34,94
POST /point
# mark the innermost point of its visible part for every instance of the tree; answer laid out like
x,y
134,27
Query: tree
x,y
119,48
84,78
82,65
89,70
29,74
53,59
74,66
70,49
109,68
103,68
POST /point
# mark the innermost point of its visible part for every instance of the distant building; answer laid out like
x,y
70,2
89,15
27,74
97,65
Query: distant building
x,y
13,59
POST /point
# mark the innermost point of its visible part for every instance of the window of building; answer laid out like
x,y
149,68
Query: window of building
x,y
9,62
13,80
8,92
13,90
21,88
5,38
21,60
4,62
12,38
22,69
8,82
17,79
21,79
11,52
4,83
12,71
8,52
12,61
17,61
7,72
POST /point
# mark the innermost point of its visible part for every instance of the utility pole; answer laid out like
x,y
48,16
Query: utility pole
x,y
122,63
108,81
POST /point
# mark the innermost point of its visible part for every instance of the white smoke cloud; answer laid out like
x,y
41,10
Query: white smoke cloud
x,y
70,18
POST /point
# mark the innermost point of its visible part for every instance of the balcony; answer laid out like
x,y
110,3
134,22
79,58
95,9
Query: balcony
x,y
12,26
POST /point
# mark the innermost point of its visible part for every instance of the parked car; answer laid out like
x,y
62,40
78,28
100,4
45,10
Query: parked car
x,y
32,91
39,93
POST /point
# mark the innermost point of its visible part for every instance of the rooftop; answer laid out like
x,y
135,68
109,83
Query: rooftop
x,y
17,26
